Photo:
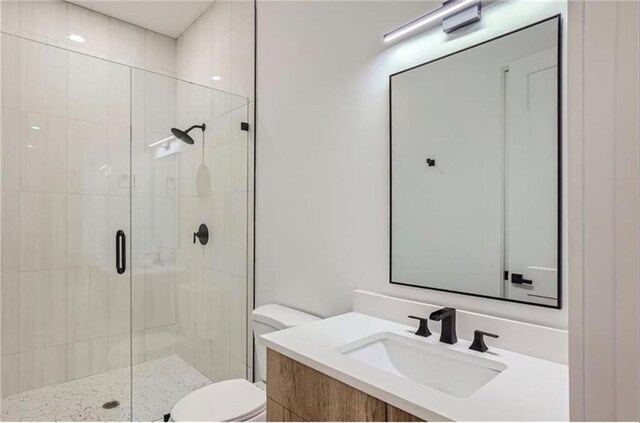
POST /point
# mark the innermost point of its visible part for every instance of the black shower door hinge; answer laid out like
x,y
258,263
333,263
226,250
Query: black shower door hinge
x,y
244,126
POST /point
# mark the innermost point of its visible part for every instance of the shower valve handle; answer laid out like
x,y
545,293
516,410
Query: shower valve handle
x,y
202,234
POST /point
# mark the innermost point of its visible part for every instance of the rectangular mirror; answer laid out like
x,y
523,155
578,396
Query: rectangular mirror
x,y
475,170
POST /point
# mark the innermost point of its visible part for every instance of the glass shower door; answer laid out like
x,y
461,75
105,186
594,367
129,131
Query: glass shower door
x,y
190,319
66,187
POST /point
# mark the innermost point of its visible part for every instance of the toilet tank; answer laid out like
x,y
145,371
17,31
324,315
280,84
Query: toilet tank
x,y
270,318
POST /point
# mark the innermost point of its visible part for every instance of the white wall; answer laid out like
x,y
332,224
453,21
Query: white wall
x,y
322,153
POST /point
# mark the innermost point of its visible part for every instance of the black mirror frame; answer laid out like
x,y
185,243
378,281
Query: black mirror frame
x,y
558,306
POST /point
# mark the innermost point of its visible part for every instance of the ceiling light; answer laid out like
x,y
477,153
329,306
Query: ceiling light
x,y
29,146
447,9
216,78
37,128
77,38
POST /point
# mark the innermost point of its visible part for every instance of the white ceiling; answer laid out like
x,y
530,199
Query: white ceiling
x,y
166,17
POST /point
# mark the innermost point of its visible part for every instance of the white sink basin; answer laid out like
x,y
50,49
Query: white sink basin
x,y
438,367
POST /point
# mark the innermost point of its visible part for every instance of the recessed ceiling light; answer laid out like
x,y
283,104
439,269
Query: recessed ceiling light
x,y
77,38
37,128
216,77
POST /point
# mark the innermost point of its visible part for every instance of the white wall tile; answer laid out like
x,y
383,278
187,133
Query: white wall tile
x,y
10,375
43,309
86,358
87,303
204,30
10,149
221,62
120,161
237,369
240,10
122,289
222,17
87,230
88,88
221,169
43,367
185,348
90,25
43,153
120,349
238,233
220,309
221,226
10,231
159,296
44,21
239,150
10,313
43,78
10,71
203,303
238,318
242,58
188,281
126,42
43,231
159,342
203,356
185,66
119,95
220,365
87,160
10,16
160,53
160,102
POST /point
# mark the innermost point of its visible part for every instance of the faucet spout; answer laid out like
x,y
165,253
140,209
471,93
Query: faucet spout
x,y
448,328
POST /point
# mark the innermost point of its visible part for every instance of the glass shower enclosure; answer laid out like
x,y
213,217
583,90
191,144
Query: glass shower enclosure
x,y
113,305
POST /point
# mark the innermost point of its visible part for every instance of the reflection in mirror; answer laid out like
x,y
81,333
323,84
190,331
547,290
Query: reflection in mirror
x,y
475,170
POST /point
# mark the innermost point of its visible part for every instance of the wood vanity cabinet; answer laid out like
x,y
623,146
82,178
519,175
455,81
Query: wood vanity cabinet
x,y
298,393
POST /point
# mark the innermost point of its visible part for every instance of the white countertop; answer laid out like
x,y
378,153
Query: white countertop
x,y
530,389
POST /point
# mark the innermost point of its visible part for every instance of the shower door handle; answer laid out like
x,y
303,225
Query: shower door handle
x,y
121,252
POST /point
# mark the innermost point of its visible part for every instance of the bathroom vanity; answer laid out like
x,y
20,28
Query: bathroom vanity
x,y
357,367
299,393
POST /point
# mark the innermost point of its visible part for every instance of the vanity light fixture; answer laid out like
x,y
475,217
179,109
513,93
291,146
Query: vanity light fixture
x,y
35,128
77,38
448,8
216,78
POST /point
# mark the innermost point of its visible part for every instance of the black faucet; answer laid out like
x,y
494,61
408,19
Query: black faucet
x,y
448,329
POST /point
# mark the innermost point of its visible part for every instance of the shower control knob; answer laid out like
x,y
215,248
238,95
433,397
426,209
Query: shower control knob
x,y
202,235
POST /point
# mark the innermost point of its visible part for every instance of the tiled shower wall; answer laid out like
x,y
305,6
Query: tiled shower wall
x,y
65,313
213,332
65,135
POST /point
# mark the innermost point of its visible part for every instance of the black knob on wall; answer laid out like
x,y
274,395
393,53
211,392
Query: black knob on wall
x,y
202,234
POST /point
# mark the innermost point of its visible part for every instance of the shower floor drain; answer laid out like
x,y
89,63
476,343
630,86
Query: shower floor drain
x,y
110,404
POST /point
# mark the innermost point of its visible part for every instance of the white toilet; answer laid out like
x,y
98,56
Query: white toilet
x,y
238,400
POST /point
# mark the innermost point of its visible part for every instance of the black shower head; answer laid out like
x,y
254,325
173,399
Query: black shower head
x,y
184,135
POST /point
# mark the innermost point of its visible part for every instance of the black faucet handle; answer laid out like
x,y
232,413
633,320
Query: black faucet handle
x,y
478,340
423,329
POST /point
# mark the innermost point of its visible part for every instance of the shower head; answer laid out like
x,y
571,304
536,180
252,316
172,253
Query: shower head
x,y
184,135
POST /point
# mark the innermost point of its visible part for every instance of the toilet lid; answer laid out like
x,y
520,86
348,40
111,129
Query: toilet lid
x,y
230,400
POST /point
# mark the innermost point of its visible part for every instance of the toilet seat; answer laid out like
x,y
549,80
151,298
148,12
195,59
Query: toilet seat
x,y
230,400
